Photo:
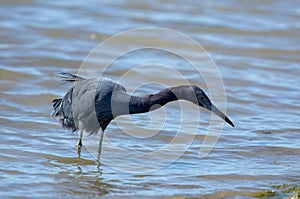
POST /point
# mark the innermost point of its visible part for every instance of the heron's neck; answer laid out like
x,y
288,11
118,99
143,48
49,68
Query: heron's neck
x,y
154,101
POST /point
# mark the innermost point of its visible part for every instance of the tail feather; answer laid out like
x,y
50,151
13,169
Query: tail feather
x,y
56,106
62,107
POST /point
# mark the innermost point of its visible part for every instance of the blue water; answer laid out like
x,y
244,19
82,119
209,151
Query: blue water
x,y
255,46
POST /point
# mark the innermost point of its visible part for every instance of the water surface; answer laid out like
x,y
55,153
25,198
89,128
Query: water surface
x,y
255,46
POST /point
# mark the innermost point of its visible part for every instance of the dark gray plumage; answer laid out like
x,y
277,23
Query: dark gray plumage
x,y
91,104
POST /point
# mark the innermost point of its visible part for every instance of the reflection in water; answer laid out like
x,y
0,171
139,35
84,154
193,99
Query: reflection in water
x,y
78,175
67,160
255,46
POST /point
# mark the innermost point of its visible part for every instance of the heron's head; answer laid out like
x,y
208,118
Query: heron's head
x,y
203,101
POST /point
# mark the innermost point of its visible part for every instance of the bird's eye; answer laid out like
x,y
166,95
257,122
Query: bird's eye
x,y
201,98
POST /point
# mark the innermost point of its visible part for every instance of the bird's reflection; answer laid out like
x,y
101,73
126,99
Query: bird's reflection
x,y
79,176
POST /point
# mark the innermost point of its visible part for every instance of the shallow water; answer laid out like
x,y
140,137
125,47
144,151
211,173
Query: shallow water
x,y
255,46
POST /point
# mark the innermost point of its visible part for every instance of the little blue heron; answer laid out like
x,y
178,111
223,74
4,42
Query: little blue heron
x,y
91,104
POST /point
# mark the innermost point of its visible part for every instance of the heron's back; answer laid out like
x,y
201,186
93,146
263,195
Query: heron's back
x,y
87,105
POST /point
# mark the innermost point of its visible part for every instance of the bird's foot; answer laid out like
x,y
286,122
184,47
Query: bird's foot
x,y
79,146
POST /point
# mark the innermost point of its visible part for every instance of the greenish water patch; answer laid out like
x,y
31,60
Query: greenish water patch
x,y
266,194
286,191
288,188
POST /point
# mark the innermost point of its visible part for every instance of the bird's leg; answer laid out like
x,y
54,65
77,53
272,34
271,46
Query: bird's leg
x,y
79,145
100,145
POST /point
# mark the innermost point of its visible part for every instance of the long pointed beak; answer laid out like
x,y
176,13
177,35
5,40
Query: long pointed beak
x,y
216,111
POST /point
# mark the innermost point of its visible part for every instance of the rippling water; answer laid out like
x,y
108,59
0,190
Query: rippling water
x,y
255,46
